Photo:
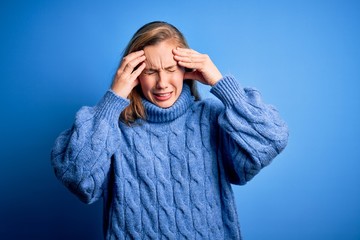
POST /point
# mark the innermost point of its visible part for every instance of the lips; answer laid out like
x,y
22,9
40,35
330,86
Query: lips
x,y
162,96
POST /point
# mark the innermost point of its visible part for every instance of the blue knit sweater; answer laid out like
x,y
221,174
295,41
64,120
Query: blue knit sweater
x,y
169,176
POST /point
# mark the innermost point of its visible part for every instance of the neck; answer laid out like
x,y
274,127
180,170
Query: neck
x,y
158,114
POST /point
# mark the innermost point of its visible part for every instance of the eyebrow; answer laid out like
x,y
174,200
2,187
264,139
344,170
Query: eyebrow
x,y
166,68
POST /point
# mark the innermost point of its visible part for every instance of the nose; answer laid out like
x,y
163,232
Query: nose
x,y
162,80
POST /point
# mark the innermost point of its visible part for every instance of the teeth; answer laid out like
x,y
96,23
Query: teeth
x,y
163,94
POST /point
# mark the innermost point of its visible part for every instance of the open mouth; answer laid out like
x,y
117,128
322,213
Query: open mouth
x,y
162,96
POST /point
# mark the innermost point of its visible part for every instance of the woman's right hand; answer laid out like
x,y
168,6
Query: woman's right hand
x,y
126,77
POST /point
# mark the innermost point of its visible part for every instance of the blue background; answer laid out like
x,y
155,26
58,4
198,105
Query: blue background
x,y
57,56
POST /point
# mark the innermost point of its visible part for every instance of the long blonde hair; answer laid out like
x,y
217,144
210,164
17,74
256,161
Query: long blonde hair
x,y
151,34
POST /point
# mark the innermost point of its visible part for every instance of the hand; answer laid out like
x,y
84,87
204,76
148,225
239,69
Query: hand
x,y
126,77
204,70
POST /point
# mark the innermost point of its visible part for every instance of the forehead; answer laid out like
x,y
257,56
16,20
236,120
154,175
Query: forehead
x,y
160,55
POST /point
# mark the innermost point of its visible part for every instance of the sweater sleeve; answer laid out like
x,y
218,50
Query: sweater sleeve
x,y
81,155
251,132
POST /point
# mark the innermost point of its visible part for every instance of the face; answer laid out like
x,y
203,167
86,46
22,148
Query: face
x,y
162,79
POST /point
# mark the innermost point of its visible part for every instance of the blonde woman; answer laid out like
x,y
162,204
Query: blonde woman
x,y
163,160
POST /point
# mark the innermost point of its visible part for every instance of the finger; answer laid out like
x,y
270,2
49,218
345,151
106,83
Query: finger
x,y
134,55
130,57
192,65
185,51
138,71
188,55
130,66
190,59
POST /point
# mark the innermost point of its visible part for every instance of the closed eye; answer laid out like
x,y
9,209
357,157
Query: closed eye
x,y
171,69
149,72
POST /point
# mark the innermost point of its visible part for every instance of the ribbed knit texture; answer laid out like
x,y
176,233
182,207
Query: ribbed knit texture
x,y
169,176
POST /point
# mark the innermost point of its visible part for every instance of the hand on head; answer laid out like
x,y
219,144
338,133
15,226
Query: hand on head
x,y
132,65
126,77
204,70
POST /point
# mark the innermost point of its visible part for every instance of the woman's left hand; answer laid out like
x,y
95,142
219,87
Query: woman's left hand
x,y
204,70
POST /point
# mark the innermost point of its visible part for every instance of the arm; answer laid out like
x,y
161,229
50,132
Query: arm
x,y
252,133
81,155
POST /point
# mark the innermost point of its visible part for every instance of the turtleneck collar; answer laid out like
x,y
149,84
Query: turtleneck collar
x,y
158,114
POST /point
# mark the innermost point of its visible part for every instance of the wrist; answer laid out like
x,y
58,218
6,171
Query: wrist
x,y
120,91
215,80
228,90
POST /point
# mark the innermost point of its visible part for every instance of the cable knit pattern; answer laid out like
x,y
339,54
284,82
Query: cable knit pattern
x,y
169,177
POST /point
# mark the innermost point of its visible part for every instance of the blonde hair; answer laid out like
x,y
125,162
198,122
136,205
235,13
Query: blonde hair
x,y
151,34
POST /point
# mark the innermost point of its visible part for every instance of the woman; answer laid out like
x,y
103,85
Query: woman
x,y
161,159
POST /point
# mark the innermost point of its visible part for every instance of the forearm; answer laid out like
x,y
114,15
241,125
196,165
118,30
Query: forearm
x,y
252,130
81,155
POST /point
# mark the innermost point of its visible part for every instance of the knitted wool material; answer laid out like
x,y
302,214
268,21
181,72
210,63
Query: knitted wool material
x,y
169,176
